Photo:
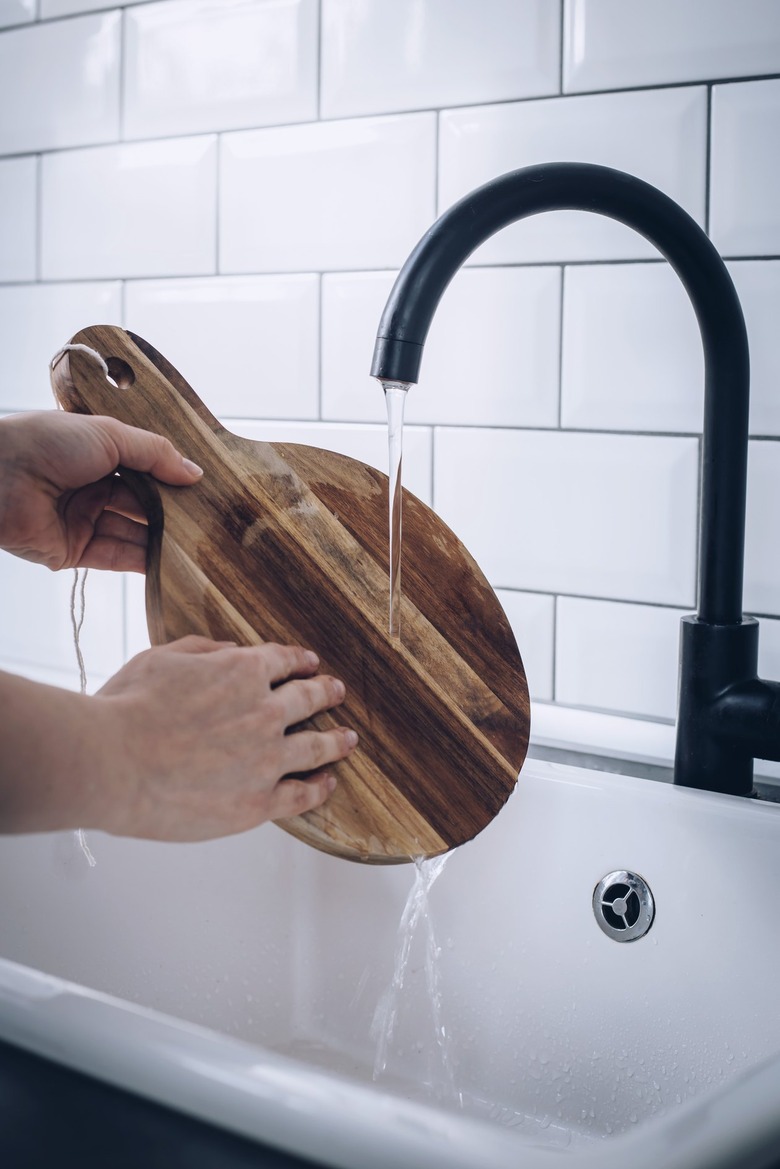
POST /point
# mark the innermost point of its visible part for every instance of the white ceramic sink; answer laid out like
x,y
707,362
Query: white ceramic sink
x,y
238,980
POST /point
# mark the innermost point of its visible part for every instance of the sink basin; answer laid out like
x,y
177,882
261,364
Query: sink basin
x,y
238,980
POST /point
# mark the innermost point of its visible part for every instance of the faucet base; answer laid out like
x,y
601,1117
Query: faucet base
x,y
718,666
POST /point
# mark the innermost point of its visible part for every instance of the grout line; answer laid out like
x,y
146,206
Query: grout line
x,y
112,143
402,113
554,671
645,87
352,271
275,273
218,206
569,596
698,534
562,16
122,55
519,428
436,164
319,61
433,465
38,217
66,17
432,452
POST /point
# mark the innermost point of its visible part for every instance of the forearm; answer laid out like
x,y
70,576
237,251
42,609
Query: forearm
x,y
54,767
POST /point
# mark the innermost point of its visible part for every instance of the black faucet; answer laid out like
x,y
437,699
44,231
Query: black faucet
x,y
727,715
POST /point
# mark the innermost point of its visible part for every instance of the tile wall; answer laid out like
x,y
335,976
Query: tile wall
x,y
204,171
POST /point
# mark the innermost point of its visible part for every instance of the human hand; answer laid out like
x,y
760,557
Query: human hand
x,y
62,505
197,739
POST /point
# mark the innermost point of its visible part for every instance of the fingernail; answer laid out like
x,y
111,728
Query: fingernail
x,y
330,782
351,738
340,689
311,658
193,468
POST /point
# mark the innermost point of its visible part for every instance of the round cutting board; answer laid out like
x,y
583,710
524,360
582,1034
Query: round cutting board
x,y
288,543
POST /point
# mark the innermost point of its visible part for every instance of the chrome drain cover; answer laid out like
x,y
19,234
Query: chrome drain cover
x,y
623,906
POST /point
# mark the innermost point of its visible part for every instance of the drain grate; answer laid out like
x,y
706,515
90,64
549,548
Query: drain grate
x,y
623,906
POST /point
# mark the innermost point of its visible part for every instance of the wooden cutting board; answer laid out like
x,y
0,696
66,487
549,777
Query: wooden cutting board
x,y
289,543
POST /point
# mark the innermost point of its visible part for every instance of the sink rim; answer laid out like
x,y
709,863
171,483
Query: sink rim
x,y
281,1101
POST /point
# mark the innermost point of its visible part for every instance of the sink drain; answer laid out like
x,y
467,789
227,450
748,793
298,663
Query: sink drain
x,y
623,906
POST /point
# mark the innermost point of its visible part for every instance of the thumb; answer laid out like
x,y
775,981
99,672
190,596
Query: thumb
x,y
140,450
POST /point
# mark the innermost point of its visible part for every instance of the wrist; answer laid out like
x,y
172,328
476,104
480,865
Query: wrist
x,y
56,771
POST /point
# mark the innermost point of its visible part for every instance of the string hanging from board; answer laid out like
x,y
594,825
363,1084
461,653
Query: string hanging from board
x,y
78,598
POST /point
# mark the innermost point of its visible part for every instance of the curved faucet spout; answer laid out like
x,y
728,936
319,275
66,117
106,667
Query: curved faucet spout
x,y
726,715
585,187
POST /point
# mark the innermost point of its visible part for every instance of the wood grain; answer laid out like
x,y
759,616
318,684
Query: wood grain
x,y
288,543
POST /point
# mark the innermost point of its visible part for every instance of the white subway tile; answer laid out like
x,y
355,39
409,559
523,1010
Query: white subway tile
x,y
491,358
18,214
758,285
353,194
762,545
413,54
657,135
198,65
531,616
352,304
368,444
632,355
617,657
769,648
16,12
610,45
36,320
248,345
600,515
745,171
142,209
51,8
769,668
41,633
61,81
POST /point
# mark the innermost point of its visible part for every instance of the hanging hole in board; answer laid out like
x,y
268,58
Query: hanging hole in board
x,y
120,373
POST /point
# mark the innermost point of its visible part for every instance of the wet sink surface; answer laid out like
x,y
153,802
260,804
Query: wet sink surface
x,y
557,1037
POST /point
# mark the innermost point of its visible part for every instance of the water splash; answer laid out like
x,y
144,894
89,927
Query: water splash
x,y
395,399
81,840
383,1027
